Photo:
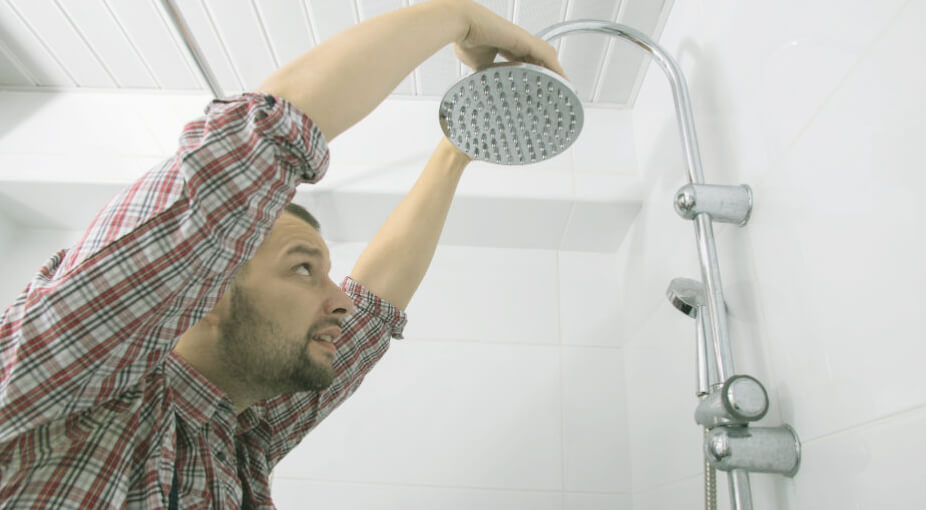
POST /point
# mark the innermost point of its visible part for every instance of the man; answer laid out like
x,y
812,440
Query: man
x,y
192,337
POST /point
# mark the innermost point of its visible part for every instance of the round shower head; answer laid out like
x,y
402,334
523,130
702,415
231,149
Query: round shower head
x,y
512,114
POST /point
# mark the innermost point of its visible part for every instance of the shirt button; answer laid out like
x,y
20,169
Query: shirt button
x,y
220,455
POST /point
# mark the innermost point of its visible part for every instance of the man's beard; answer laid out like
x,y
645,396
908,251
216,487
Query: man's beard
x,y
253,352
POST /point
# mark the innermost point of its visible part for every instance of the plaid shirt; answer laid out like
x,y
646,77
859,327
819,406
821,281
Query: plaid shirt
x,y
95,409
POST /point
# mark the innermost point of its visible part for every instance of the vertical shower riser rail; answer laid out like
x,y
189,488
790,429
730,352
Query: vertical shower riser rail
x,y
704,232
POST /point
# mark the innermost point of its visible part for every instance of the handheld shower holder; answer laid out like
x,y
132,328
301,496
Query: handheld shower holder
x,y
754,449
726,204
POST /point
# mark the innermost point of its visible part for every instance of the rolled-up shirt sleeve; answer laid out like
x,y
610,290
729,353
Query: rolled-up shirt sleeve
x,y
100,316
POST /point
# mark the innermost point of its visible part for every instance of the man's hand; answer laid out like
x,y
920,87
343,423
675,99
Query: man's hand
x,y
488,34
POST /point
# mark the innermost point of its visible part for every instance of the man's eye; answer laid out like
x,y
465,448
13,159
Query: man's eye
x,y
304,269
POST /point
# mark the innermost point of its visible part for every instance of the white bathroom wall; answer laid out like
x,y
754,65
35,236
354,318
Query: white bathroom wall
x,y
819,107
500,396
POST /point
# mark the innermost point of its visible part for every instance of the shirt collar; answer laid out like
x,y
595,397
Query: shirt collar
x,y
199,402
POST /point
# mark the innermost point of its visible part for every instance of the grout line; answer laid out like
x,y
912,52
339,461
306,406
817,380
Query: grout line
x,y
412,338
125,34
41,42
436,486
663,485
562,374
89,46
881,420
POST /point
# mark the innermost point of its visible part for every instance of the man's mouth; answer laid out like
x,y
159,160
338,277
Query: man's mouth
x,y
326,338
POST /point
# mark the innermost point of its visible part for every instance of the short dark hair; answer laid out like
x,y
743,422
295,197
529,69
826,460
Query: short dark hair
x,y
298,210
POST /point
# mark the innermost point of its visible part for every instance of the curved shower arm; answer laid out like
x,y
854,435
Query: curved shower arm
x,y
668,64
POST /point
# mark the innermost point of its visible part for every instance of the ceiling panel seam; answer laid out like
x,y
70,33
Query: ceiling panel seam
x,y
125,33
83,38
644,65
218,35
308,24
8,53
606,57
35,34
263,31
313,24
180,46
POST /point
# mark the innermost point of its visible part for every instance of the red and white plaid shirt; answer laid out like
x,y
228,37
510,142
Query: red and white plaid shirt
x,y
95,409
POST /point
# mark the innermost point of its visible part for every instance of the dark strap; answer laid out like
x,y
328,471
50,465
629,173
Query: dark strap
x,y
172,499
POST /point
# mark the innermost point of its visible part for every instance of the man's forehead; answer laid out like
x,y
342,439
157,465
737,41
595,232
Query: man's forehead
x,y
291,230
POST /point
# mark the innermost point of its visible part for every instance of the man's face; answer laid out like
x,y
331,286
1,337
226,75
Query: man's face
x,y
284,314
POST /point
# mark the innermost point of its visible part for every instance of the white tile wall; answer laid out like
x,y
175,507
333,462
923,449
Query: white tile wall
x,y
489,295
817,107
873,466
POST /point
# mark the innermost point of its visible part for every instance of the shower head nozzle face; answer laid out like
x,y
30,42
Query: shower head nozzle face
x,y
512,114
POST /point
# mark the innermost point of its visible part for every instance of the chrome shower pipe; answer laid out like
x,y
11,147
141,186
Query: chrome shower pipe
x,y
183,30
704,231
740,492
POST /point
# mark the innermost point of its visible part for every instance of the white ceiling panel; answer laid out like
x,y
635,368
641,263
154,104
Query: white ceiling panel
x,y
626,63
535,16
100,30
367,9
12,73
157,43
210,45
331,16
582,55
371,8
242,32
62,40
287,26
30,50
135,44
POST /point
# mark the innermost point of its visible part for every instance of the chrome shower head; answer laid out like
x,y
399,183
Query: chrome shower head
x,y
512,114
687,295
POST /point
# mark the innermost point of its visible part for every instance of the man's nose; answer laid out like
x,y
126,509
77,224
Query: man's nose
x,y
339,303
